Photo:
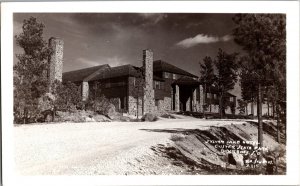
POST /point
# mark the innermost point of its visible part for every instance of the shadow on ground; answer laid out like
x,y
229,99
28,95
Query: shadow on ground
x,y
271,129
192,151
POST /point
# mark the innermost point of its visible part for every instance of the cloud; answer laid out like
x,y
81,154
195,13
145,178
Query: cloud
x,y
153,18
18,28
202,39
115,61
112,61
87,62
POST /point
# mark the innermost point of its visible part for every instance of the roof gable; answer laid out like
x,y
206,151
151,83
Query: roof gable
x,y
163,66
80,75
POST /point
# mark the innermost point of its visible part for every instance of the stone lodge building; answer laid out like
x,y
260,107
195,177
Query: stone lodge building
x,y
157,86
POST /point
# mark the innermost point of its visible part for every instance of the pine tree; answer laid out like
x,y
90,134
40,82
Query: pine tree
x,y
66,95
263,37
226,76
207,78
30,80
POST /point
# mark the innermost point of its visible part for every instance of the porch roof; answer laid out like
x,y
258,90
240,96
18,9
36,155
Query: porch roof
x,y
187,81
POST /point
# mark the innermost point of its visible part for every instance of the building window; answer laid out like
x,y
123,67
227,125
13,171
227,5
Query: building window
x,y
215,96
208,95
133,81
123,102
156,102
231,99
167,74
156,85
174,76
107,85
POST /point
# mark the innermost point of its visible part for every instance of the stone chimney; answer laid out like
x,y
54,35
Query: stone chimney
x,y
148,101
56,59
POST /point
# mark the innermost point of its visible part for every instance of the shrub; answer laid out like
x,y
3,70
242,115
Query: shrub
x,y
149,117
168,116
175,137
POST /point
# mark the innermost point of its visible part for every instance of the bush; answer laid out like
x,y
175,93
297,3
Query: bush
x,y
102,106
168,116
175,137
149,117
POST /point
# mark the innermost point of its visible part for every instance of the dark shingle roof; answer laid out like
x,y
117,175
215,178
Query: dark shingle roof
x,y
80,75
214,90
163,66
119,71
105,72
227,94
186,81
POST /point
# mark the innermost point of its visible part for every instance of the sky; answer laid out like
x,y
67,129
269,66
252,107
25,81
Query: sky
x,y
92,39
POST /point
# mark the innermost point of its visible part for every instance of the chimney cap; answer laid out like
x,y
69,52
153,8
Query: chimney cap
x,y
147,50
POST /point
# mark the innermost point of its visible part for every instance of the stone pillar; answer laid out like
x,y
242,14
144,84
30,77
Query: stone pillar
x,y
172,98
202,97
188,104
177,101
194,102
55,60
148,101
85,90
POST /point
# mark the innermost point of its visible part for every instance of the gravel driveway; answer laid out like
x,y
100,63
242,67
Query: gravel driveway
x,y
113,148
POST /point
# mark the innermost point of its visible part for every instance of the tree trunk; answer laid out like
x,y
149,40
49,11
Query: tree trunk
x,y
25,116
220,106
252,108
268,104
259,116
278,117
137,107
278,125
273,109
204,100
210,100
53,114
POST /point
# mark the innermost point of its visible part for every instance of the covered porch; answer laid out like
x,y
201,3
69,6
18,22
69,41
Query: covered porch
x,y
184,95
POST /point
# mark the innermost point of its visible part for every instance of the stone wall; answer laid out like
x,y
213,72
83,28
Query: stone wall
x,y
134,92
116,102
55,60
214,108
133,108
148,104
165,104
201,98
85,91
177,101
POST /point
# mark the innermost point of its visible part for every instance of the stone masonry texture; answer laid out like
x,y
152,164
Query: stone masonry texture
x,y
135,92
201,94
56,59
194,105
148,104
177,101
85,91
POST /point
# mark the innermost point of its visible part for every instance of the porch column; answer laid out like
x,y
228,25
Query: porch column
x,y
85,90
202,97
194,102
172,99
188,104
177,101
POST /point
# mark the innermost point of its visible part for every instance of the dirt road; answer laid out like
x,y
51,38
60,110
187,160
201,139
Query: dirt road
x,y
113,148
